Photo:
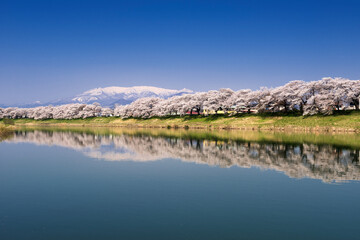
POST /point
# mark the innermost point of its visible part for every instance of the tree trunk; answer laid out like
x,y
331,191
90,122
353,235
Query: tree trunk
x,y
356,103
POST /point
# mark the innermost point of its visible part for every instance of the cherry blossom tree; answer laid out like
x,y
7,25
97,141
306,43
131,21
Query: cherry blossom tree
x,y
316,97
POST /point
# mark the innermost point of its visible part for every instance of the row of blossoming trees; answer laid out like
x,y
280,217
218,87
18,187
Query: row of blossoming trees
x,y
309,98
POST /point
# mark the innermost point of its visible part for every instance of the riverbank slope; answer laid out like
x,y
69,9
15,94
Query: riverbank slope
x,y
339,122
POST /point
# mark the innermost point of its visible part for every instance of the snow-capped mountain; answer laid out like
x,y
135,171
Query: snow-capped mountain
x,y
109,96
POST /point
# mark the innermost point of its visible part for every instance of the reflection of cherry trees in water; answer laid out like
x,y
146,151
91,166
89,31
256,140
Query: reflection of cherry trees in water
x,y
324,162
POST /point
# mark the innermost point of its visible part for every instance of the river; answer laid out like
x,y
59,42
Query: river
x,y
63,183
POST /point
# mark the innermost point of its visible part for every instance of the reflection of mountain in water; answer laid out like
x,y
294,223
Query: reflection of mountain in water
x,y
302,160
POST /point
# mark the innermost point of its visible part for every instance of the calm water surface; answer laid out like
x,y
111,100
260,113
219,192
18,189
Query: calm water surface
x,y
66,184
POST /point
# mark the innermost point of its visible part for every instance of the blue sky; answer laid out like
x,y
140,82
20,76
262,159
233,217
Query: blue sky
x,y
53,49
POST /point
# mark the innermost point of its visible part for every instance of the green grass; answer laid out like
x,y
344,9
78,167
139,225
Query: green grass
x,y
344,121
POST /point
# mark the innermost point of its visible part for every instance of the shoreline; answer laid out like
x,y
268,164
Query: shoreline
x,y
345,123
185,127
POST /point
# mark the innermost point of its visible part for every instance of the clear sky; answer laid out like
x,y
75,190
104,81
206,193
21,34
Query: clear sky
x,y
54,49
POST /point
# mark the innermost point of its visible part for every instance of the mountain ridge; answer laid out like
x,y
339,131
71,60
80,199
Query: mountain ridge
x,y
111,96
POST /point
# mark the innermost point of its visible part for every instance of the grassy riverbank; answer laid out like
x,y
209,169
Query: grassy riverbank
x,y
339,122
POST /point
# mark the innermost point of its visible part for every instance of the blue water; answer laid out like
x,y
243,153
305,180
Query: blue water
x,y
54,192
